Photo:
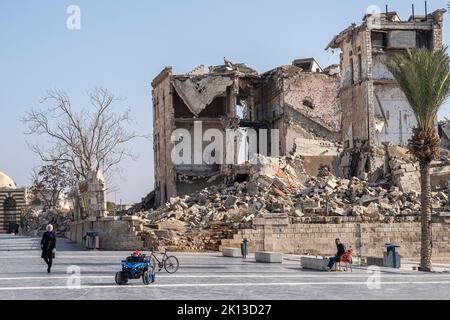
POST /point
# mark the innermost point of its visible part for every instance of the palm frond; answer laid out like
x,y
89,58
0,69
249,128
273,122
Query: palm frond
x,y
424,77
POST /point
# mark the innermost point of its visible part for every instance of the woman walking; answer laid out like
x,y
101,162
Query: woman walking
x,y
48,247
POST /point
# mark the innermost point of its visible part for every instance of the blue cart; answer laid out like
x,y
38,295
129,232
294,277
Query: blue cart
x,y
135,267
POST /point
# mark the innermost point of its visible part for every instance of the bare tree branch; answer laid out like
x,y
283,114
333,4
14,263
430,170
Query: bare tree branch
x,y
88,141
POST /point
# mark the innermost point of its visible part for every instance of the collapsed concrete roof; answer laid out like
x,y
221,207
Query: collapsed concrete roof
x,y
390,21
198,94
444,133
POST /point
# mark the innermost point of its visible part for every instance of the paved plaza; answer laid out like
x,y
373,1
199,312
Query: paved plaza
x,y
201,276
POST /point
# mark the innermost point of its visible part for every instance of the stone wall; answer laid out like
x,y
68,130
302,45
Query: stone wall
x,y
319,89
366,239
113,234
12,201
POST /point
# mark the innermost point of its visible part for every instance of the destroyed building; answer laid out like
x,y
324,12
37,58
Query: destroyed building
x,y
444,134
300,100
374,109
12,201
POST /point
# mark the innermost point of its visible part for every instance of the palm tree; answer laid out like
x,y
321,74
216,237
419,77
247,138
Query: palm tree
x,y
424,77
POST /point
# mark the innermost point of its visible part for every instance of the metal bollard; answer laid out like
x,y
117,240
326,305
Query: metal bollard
x,y
244,248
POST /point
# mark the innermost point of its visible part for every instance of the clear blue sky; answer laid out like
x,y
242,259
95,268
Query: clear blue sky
x,y
122,45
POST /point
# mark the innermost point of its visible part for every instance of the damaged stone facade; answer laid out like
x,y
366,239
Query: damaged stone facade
x,y
444,134
300,100
90,198
374,109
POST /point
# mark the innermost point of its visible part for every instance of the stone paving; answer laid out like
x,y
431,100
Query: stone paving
x,y
201,276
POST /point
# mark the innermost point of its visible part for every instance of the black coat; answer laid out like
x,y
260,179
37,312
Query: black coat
x,y
48,243
341,250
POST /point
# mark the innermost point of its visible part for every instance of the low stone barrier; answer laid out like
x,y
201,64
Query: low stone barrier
x,y
366,239
232,252
375,261
314,263
268,257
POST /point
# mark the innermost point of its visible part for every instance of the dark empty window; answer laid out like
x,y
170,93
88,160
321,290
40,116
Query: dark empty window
x,y
379,39
424,39
307,102
9,204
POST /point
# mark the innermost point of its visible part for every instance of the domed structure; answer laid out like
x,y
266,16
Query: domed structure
x,y
12,201
6,182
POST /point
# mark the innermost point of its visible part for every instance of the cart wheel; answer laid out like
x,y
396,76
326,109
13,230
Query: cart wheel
x,y
120,278
147,278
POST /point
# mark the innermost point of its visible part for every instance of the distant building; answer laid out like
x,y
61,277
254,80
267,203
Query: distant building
x,y
12,201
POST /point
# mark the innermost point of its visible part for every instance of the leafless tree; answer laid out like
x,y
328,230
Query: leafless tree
x,y
90,140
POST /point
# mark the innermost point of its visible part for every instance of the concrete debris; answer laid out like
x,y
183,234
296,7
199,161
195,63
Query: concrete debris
x,y
147,203
405,172
34,223
200,220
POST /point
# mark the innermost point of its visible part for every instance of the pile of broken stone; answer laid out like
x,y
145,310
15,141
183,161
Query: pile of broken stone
x,y
277,185
34,222
319,201
364,201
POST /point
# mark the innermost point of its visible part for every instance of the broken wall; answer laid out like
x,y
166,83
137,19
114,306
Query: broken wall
x,y
315,95
163,125
394,118
355,96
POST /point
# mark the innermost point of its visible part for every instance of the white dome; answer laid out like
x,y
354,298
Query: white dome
x,y
6,182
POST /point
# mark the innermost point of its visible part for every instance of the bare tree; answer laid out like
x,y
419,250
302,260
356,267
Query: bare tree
x,y
89,140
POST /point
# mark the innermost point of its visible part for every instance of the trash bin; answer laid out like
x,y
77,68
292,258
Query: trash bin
x,y
85,241
92,240
391,257
244,248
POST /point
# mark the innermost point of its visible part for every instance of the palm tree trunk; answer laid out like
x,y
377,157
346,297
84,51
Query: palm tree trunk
x,y
426,248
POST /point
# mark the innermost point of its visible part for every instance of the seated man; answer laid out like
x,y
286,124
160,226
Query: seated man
x,y
341,250
136,257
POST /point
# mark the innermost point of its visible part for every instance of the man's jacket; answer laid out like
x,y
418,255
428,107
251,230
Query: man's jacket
x,y
341,249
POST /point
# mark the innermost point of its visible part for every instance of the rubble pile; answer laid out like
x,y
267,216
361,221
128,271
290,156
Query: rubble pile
x,y
199,221
147,203
330,196
403,169
34,222
404,172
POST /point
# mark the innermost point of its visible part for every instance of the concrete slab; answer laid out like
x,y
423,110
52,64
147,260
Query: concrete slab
x,y
232,252
268,257
314,263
